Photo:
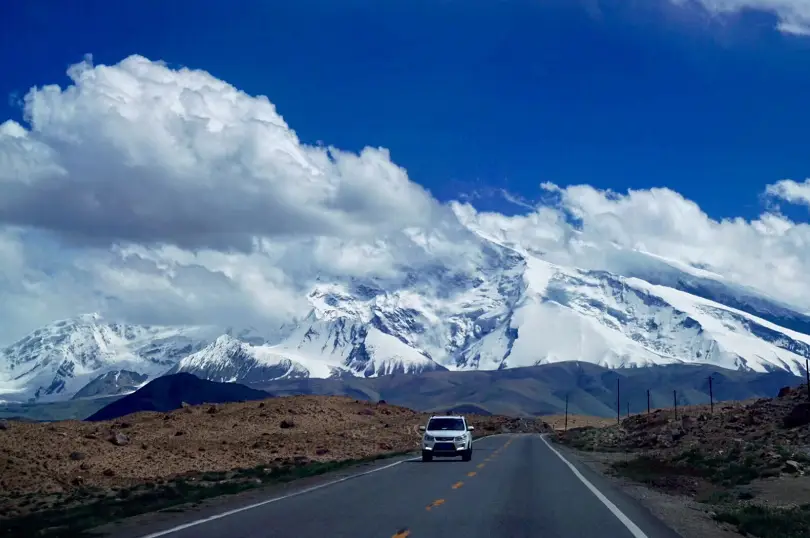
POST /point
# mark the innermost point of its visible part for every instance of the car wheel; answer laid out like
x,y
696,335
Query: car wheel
x,y
467,456
427,456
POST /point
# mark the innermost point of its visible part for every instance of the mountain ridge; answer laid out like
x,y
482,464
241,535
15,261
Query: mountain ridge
x,y
541,390
507,308
526,391
170,392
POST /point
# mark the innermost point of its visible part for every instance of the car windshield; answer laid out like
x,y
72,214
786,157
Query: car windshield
x,y
446,424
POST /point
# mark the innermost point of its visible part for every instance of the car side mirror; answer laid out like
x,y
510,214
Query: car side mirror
x,y
470,428
421,428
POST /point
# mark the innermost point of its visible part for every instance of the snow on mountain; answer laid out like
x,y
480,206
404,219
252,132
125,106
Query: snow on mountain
x,y
615,321
228,360
330,347
507,308
112,383
56,361
742,340
517,310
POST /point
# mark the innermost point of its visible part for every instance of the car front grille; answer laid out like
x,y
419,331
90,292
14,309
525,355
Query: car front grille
x,y
444,439
444,446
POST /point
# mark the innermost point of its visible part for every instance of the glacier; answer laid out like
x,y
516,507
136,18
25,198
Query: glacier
x,y
506,308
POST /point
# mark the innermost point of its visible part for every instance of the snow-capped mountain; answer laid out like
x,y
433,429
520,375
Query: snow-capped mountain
x,y
508,308
533,312
369,352
517,310
57,361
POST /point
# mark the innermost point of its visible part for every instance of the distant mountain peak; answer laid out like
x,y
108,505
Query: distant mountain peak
x,y
56,361
91,317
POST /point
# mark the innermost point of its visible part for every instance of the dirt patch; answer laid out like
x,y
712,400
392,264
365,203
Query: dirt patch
x,y
783,491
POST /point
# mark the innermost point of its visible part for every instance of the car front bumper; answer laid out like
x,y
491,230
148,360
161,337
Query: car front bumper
x,y
440,448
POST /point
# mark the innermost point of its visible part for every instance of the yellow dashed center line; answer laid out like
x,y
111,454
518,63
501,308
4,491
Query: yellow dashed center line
x,y
404,533
438,502
434,504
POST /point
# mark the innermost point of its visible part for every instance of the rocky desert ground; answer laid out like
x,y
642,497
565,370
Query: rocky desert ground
x,y
56,475
558,422
746,465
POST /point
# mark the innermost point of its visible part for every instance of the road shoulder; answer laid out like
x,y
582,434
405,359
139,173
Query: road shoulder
x,y
682,515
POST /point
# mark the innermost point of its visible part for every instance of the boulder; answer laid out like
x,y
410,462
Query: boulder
x,y
792,466
118,439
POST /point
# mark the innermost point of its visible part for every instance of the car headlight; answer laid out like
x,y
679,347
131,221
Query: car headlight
x,y
460,439
429,438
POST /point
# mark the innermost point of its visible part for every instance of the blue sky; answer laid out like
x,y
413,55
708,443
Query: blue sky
x,y
479,94
157,195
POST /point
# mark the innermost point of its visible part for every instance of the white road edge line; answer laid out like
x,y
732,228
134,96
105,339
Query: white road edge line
x,y
282,497
632,527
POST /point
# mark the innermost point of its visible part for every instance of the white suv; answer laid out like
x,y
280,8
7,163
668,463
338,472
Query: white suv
x,y
447,436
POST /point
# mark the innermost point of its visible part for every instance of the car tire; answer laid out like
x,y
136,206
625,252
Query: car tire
x,y
427,456
467,455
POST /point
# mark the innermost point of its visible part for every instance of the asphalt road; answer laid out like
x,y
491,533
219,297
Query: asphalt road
x,y
516,486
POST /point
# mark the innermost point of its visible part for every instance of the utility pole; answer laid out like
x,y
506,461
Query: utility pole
x,y
675,402
628,408
648,401
711,395
566,412
618,402
807,374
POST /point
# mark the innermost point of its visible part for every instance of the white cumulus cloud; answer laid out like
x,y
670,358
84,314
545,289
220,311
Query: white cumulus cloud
x,y
793,15
140,152
770,254
791,191
158,195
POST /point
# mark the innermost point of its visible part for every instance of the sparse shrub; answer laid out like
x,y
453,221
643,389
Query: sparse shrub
x,y
769,522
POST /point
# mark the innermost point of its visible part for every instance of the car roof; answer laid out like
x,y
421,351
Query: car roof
x,y
447,416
